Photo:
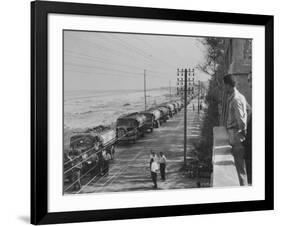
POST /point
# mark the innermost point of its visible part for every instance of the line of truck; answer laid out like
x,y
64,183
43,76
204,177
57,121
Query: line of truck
x,y
86,147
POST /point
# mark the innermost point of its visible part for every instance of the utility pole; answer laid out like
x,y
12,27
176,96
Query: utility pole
x,y
185,111
170,89
144,88
193,85
178,82
199,96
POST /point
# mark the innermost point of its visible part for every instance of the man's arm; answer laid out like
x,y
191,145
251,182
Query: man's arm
x,y
249,111
240,111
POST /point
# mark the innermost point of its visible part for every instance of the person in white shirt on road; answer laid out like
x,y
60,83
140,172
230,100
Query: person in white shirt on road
x,y
153,156
153,170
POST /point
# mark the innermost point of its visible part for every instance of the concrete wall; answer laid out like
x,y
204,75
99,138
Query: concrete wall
x,y
240,56
224,169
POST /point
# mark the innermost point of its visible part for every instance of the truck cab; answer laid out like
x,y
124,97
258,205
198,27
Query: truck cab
x,y
87,145
130,127
90,143
149,120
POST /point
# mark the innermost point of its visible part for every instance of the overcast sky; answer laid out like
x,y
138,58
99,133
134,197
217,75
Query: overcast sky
x,y
114,61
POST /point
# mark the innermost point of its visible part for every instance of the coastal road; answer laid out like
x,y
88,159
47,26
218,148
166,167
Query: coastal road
x,y
129,171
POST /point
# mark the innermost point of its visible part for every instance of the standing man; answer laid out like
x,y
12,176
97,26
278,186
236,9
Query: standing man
x,y
112,151
236,125
152,156
106,159
103,163
162,161
153,171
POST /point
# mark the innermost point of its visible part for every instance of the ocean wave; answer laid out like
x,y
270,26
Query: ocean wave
x,y
75,114
86,112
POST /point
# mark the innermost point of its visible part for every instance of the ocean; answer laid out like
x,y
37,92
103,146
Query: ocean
x,y
87,108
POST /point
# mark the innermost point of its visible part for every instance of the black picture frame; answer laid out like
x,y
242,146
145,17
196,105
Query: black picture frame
x,y
39,111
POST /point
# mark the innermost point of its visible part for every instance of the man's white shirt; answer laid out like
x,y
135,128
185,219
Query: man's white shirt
x,y
154,167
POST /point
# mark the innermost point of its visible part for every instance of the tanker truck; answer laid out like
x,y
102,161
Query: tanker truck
x,y
130,127
177,104
90,143
176,109
156,115
171,108
164,113
180,104
152,119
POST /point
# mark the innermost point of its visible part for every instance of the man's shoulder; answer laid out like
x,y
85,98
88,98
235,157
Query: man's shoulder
x,y
239,97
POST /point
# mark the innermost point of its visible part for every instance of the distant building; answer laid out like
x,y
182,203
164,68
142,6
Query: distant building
x,y
238,59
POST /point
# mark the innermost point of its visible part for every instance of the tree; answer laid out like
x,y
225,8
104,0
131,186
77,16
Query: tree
x,y
215,66
214,63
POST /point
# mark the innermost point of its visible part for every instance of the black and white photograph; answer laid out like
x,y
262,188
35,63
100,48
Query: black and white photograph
x,y
153,112
121,112
142,112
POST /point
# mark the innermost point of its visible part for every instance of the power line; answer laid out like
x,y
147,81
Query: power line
x,y
106,49
136,50
153,74
113,74
107,62
82,176
100,68
147,43
129,46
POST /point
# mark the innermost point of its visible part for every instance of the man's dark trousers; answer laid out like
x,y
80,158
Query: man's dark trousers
x,y
154,179
162,171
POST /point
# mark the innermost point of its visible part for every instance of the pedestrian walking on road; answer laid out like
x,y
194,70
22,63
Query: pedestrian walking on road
x,y
153,170
153,156
162,162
